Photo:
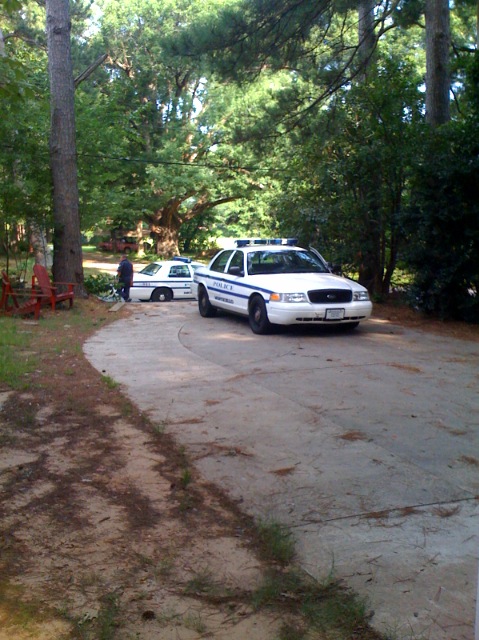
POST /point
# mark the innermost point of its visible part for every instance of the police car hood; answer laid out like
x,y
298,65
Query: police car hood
x,y
292,282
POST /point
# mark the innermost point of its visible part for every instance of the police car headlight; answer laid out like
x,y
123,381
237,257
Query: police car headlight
x,y
360,295
288,297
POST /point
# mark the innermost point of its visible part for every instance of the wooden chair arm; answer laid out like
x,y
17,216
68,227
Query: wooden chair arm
x,y
27,293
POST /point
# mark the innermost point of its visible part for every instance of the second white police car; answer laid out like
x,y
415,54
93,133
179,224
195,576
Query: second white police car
x,y
278,284
164,281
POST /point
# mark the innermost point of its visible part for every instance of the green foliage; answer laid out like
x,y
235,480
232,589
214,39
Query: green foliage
x,y
10,5
408,13
443,223
308,145
25,190
155,132
100,285
348,171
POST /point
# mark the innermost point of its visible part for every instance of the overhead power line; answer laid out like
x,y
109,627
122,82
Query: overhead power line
x,y
190,165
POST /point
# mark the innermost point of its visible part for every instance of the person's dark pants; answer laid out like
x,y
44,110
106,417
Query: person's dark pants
x,y
124,291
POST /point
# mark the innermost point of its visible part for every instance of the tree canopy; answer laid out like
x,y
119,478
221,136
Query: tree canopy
x,y
196,119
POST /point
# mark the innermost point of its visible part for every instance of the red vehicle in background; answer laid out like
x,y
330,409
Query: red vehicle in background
x,y
119,245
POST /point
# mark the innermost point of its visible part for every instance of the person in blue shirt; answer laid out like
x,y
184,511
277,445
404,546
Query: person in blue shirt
x,y
125,278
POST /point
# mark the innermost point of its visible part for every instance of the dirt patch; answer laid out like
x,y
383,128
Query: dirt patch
x,y
107,530
401,314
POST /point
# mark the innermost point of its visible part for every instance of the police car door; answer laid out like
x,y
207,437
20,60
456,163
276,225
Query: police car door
x,y
235,276
180,280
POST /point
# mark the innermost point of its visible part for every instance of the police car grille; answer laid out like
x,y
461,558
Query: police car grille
x,y
330,296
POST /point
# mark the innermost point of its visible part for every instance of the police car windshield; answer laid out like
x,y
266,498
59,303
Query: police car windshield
x,y
151,269
287,261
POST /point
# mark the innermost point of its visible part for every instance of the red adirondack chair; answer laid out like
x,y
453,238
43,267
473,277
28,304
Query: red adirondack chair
x,y
49,289
19,302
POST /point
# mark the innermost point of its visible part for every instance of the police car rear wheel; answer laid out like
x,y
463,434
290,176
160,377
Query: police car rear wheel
x,y
162,295
204,305
258,316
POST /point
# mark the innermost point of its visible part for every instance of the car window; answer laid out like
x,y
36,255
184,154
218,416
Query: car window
x,y
261,262
179,271
237,260
219,263
151,269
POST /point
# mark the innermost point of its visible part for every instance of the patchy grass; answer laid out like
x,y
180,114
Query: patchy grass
x,y
75,525
329,608
16,358
186,478
110,382
102,626
275,542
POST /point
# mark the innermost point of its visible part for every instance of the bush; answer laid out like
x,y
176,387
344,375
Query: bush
x,y
100,285
443,223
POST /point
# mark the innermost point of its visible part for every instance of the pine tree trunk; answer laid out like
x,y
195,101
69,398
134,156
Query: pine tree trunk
x,y
370,269
366,31
438,40
67,252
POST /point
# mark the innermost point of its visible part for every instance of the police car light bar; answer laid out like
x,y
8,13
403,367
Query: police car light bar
x,y
245,242
181,259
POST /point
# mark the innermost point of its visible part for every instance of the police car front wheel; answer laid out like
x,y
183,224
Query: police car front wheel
x,y
258,316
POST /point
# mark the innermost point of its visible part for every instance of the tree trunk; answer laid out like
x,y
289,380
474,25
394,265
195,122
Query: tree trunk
x,y
370,269
366,34
67,252
166,240
141,241
41,250
438,40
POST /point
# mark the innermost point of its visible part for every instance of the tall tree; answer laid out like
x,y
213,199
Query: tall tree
x,y
371,267
438,41
348,172
366,28
180,165
67,260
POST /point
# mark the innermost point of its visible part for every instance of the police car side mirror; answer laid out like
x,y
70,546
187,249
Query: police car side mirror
x,y
236,271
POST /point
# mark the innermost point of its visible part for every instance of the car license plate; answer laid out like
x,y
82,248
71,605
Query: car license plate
x,y
334,314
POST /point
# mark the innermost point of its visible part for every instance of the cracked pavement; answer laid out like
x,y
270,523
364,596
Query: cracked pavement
x,y
366,444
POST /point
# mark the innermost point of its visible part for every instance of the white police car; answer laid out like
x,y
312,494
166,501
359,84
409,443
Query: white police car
x,y
162,281
278,284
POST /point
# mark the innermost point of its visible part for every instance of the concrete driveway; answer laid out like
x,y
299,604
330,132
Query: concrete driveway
x,y
365,444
